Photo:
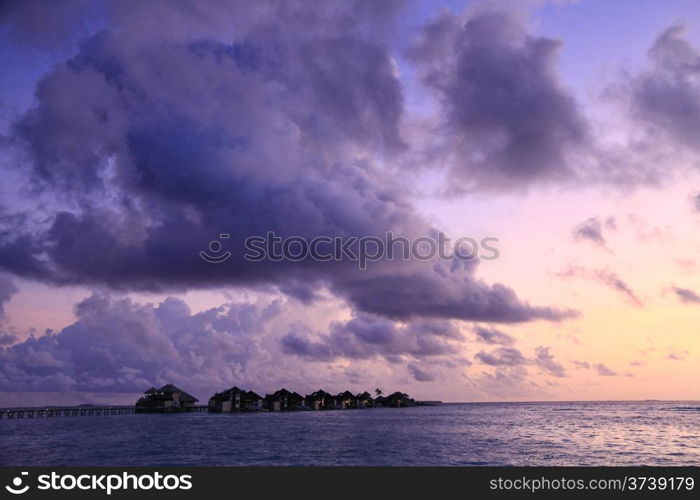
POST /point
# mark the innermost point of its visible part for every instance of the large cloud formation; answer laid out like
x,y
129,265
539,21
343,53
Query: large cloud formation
x,y
507,119
367,337
667,97
119,345
147,144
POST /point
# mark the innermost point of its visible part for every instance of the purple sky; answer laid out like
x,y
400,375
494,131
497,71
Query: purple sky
x,y
133,133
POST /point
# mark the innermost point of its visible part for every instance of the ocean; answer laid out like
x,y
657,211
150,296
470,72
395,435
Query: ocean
x,y
528,434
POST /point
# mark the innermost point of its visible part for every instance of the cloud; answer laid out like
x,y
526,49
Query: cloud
x,y
419,374
687,265
604,371
695,202
667,97
545,360
492,336
582,364
507,120
7,339
506,383
592,230
370,337
511,357
616,283
25,21
608,278
300,345
442,294
7,290
686,295
117,345
676,355
503,356
147,144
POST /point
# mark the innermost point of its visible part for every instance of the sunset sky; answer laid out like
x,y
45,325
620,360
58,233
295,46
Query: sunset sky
x,y
134,133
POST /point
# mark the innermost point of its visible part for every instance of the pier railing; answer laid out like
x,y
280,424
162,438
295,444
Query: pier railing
x,y
87,411
74,411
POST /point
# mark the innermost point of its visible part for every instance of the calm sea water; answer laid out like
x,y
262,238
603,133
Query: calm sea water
x,y
645,433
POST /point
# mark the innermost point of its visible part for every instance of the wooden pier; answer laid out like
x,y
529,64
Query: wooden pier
x,y
75,411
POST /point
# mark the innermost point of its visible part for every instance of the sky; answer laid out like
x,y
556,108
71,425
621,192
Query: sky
x,y
132,134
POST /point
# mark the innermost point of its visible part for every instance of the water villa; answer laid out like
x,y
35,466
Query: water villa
x,y
171,399
236,399
166,399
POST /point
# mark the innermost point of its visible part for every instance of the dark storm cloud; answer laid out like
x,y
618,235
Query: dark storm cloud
x,y
443,294
668,96
118,345
592,229
492,336
258,117
507,118
686,295
369,337
46,23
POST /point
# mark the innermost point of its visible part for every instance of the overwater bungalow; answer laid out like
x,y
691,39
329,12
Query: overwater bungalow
x,y
251,401
345,400
296,401
318,400
235,399
278,401
229,400
364,400
168,398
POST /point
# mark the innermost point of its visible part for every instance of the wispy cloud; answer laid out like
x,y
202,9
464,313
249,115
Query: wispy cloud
x,y
686,295
609,278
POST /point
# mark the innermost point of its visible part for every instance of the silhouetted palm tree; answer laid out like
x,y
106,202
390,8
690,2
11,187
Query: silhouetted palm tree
x,y
378,391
